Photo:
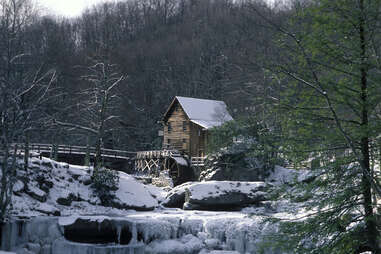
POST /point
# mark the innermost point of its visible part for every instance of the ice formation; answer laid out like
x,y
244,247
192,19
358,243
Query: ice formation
x,y
79,224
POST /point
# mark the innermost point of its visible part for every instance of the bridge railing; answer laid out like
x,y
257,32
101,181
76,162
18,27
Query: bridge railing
x,y
156,154
74,150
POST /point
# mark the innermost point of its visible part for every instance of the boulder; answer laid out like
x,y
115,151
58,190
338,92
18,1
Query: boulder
x,y
76,172
48,183
223,195
18,187
216,195
212,243
48,209
131,194
44,181
176,197
46,163
36,193
67,198
85,179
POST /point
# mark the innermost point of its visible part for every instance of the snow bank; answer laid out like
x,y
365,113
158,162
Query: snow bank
x,y
202,190
54,188
133,194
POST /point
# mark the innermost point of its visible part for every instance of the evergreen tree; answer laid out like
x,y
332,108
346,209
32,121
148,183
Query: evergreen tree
x,y
332,104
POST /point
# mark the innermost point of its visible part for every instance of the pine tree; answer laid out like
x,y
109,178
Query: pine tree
x,y
332,104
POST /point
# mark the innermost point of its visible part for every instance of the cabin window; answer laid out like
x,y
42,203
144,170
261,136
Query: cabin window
x,y
184,125
169,127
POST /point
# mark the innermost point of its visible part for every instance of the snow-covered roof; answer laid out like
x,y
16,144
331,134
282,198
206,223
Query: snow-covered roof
x,y
205,113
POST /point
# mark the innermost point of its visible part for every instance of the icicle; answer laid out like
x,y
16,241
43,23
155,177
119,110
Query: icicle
x,y
119,231
134,233
99,226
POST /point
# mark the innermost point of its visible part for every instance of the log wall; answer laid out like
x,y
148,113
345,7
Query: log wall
x,y
197,141
191,140
176,137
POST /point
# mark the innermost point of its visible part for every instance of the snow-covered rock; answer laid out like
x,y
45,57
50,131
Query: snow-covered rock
x,y
176,197
212,243
54,188
131,194
36,193
215,195
18,187
48,209
223,195
66,198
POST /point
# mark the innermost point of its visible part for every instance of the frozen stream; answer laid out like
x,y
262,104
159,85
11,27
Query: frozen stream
x,y
54,211
157,232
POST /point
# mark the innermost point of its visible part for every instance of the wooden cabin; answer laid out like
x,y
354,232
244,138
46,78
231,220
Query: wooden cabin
x,y
187,121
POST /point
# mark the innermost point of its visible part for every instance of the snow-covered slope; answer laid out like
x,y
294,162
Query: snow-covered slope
x,y
58,189
53,188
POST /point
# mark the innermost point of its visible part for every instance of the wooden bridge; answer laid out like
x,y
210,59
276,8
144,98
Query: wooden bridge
x,y
69,149
178,165
115,159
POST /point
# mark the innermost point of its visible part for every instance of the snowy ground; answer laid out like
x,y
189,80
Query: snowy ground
x,y
50,188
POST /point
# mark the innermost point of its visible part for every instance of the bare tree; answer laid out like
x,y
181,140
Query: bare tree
x,y
97,104
23,90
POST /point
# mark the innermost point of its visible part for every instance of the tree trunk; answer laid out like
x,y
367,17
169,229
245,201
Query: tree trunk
x,y
98,154
26,151
370,222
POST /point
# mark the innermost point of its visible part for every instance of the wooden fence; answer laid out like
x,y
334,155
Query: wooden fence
x,y
69,149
